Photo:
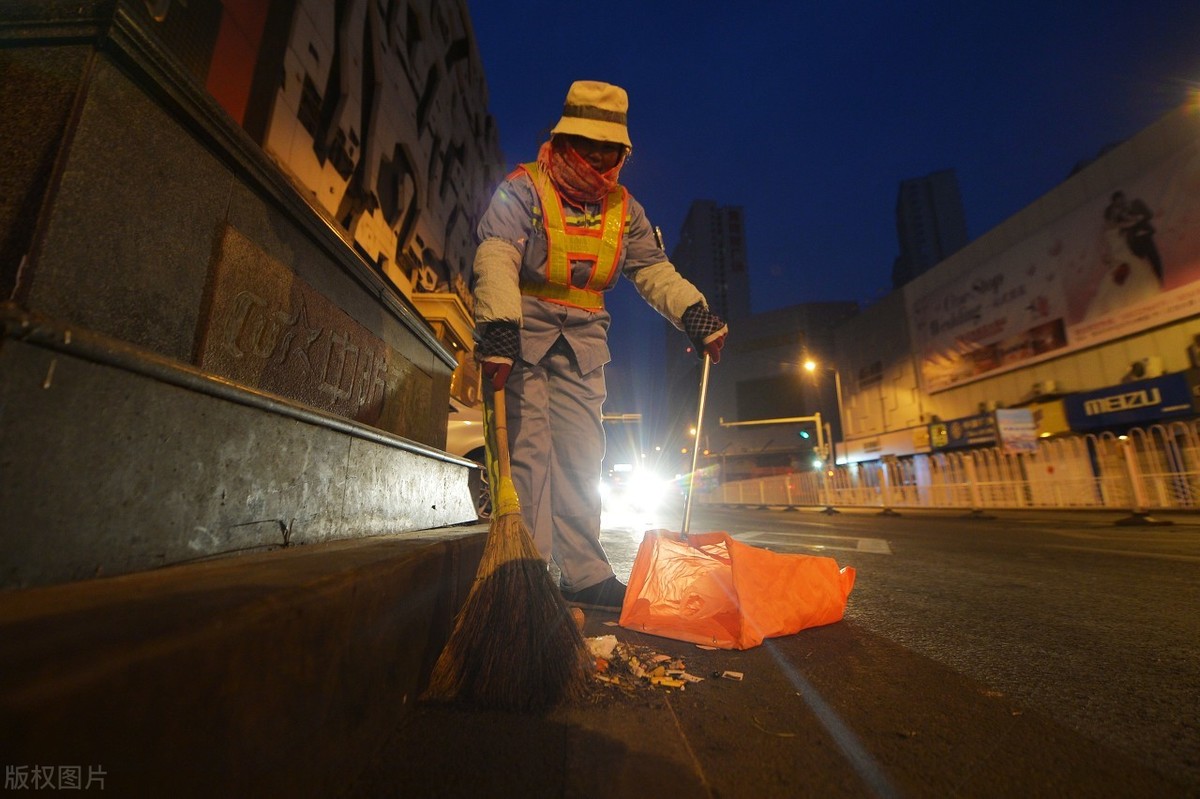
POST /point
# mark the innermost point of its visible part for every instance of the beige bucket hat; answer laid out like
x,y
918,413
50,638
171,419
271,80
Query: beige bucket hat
x,y
595,111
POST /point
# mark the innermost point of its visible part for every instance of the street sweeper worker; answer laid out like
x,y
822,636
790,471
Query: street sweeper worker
x,y
558,233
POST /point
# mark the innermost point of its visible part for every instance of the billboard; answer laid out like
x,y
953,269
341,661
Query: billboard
x,y
1125,261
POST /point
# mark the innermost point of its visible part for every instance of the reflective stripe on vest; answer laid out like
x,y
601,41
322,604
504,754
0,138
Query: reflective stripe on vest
x,y
601,246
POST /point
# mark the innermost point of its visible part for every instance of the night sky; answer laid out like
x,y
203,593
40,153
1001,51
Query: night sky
x,y
809,115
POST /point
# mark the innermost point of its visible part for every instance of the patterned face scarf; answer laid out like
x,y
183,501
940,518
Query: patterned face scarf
x,y
574,176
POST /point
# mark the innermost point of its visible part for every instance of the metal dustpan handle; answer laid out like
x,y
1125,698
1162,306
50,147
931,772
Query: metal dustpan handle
x,y
687,505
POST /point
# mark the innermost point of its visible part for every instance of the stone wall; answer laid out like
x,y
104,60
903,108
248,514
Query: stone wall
x,y
152,207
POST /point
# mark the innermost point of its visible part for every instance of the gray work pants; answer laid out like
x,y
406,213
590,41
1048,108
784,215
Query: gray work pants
x,y
556,442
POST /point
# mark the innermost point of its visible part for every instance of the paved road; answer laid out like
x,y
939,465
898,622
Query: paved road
x,y
1093,624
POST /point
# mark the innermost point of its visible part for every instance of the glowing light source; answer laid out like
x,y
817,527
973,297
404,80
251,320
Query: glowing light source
x,y
633,491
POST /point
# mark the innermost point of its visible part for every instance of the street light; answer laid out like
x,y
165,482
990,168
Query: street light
x,y
811,366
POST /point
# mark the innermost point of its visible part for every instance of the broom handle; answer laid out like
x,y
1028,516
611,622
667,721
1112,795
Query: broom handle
x,y
687,505
500,425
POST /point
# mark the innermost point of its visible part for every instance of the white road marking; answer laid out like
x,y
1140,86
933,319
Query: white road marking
x,y
875,546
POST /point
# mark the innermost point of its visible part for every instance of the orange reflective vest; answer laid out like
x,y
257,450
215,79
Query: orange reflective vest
x,y
566,243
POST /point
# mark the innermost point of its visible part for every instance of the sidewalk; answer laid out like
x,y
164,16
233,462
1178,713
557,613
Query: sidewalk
x,y
296,673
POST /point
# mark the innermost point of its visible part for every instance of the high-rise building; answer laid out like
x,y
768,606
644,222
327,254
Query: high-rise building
x,y
711,252
930,224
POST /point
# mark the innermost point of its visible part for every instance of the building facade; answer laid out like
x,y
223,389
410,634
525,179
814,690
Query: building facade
x,y
710,252
930,224
1083,309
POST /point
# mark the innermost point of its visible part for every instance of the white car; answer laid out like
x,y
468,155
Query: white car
x,y
464,438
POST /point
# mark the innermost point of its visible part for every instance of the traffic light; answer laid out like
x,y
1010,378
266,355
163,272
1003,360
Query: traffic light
x,y
808,434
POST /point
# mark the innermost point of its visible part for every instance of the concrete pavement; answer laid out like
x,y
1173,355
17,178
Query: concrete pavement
x,y
296,673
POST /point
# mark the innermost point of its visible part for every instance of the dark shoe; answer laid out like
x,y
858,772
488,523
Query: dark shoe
x,y
608,595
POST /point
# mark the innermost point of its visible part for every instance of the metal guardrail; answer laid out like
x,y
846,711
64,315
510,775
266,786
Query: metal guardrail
x,y
1155,468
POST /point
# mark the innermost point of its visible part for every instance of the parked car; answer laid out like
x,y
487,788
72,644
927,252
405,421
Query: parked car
x,y
464,438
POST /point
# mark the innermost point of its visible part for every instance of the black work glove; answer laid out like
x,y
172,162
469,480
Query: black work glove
x,y
706,330
498,348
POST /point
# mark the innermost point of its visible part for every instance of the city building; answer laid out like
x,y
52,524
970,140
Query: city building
x,y
710,252
1081,314
930,224
1081,310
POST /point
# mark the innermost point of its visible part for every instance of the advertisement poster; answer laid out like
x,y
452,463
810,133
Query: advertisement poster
x,y
969,431
1127,260
1017,430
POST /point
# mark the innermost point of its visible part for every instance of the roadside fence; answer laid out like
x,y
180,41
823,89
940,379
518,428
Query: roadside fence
x,y
1155,468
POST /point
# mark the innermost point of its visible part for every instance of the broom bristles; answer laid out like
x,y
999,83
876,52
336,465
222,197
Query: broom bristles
x,y
514,644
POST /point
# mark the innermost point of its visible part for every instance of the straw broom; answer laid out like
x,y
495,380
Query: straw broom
x,y
514,645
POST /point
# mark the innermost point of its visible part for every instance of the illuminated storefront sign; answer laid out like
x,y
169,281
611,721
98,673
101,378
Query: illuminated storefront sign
x,y
969,431
1050,418
1144,401
896,443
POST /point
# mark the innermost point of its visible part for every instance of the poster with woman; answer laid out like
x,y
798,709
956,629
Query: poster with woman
x,y
1125,260
1143,268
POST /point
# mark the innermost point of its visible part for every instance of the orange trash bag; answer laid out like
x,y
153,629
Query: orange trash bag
x,y
708,588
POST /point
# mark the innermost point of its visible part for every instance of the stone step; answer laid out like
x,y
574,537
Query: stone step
x,y
268,674
116,460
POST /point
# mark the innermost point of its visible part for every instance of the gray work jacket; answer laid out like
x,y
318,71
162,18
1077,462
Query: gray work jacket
x,y
513,249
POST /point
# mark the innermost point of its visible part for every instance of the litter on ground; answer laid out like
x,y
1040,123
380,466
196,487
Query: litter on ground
x,y
632,668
